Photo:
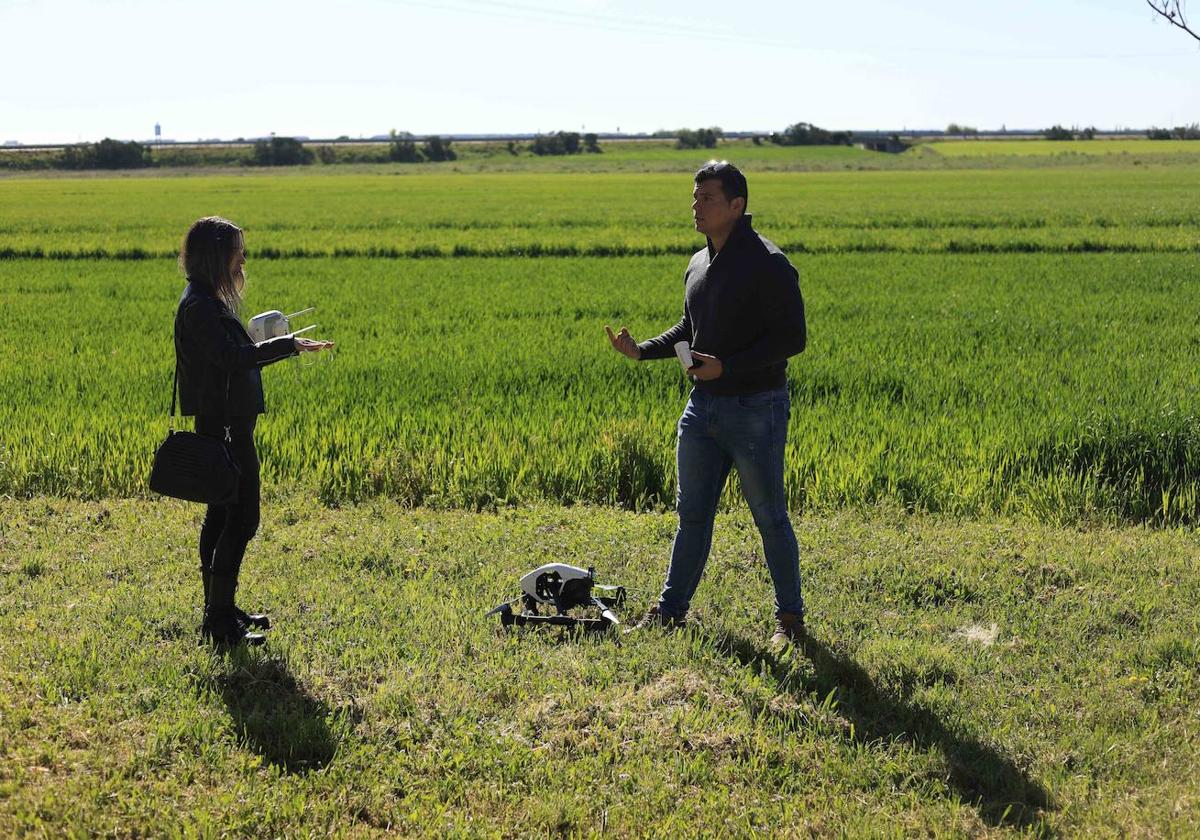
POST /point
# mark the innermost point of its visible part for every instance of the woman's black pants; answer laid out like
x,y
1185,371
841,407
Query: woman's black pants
x,y
227,529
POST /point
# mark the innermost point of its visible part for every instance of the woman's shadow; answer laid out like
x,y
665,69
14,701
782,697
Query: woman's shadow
x,y
979,775
273,714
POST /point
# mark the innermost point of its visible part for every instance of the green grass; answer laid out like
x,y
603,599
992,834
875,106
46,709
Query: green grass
x,y
496,214
992,678
994,148
1056,386
1002,370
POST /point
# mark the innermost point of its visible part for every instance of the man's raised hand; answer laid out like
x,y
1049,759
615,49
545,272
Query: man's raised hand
x,y
623,343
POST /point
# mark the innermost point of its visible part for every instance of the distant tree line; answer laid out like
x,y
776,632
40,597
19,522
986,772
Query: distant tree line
x,y
797,134
562,143
807,134
962,130
1058,132
404,149
281,151
107,154
1179,132
698,138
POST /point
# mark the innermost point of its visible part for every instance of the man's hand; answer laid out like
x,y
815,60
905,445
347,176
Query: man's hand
x,y
706,368
623,343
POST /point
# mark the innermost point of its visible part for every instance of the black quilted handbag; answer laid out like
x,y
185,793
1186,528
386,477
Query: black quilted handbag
x,y
193,467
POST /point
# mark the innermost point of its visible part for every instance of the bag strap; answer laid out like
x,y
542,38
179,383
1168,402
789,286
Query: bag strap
x,y
225,411
174,391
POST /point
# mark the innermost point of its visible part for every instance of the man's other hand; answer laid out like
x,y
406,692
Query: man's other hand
x,y
706,368
623,343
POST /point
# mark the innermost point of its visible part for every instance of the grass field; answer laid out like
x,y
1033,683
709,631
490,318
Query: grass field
x,y
1050,385
999,341
496,214
993,464
994,148
965,680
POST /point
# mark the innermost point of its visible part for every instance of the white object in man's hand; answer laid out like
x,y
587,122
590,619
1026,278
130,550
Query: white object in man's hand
x,y
623,343
683,351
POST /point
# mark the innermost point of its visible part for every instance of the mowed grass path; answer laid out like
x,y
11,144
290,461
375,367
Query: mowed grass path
x,y
966,679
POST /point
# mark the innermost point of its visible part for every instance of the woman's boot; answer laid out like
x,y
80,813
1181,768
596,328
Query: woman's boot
x,y
259,621
221,625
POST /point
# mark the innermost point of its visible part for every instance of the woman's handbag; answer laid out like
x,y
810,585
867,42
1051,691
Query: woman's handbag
x,y
194,467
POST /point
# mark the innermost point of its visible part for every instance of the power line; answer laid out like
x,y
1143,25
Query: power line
x,y
679,29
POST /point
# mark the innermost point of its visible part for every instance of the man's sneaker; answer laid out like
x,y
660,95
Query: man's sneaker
x,y
654,618
789,630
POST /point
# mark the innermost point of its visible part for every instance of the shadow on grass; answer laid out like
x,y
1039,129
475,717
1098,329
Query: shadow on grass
x,y
274,715
980,775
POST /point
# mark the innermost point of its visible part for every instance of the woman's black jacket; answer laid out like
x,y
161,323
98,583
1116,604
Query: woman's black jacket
x,y
212,348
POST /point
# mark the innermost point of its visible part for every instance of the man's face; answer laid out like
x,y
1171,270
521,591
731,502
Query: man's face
x,y
711,211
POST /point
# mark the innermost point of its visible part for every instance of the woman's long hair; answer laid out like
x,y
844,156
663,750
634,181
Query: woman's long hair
x,y
206,254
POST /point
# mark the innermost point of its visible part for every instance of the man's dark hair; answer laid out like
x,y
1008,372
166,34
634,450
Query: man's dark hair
x,y
733,182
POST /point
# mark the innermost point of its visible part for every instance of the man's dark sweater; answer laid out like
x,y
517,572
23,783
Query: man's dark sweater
x,y
742,305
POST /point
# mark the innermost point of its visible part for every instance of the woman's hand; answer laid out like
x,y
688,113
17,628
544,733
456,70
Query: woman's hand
x,y
308,345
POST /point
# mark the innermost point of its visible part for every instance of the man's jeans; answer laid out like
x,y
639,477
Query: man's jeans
x,y
716,433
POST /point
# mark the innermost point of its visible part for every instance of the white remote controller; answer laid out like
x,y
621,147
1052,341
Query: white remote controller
x,y
684,351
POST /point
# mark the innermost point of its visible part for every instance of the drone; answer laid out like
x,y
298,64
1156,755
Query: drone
x,y
564,588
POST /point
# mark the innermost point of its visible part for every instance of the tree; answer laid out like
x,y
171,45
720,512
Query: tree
x,y
402,148
700,138
1057,132
1172,11
557,143
591,144
281,151
437,149
107,154
807,134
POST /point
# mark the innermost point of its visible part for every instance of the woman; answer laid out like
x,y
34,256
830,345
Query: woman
x,y
220,385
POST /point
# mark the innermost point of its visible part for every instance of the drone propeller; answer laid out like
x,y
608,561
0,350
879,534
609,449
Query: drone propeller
x,y
505,607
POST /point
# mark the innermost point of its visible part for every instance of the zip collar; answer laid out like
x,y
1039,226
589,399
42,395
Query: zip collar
x,y
740,230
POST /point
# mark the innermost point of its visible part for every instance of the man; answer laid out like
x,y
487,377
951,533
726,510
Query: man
x,y
743,316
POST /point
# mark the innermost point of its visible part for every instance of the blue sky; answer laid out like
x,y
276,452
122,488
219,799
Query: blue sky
x,y
78,70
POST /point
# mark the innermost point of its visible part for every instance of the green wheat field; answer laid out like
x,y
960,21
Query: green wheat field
x,y
993,465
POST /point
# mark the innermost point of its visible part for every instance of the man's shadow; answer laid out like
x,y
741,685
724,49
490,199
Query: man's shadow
x,y
273,714
979,775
